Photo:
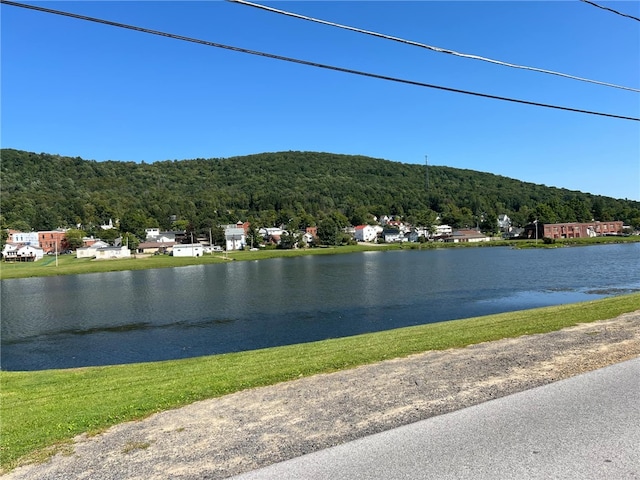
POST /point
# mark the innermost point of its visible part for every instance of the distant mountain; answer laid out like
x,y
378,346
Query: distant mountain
x,y
44,191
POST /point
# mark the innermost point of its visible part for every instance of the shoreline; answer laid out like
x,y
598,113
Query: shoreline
x,y
69,265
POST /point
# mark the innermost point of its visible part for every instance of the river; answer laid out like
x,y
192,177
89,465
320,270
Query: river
x,y
150,315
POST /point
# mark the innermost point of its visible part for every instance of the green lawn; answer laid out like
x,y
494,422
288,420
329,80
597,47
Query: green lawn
x,y
42,411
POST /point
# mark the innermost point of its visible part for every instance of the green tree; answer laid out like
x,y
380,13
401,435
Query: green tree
x,y
4,232
425,218
489,224
545,214
134,222
130,240
328,232
50,191
288,241
217,235
73,239
361,216
20,225
181,225
110,235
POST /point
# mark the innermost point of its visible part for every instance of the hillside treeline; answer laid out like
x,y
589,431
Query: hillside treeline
x,y
297,189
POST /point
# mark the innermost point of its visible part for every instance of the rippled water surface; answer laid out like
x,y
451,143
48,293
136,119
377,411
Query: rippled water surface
x,y
123,317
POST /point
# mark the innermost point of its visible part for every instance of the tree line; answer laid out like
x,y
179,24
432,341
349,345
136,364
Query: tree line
x,y
43,191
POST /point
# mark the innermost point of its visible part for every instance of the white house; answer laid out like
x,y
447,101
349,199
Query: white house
x,y
152,232
104,253
10,251
270,232
421,232
443,230
31,253
365,233
22,253
306,237
504,222
393,235
108,226
235,238
188,250
90,251
155,235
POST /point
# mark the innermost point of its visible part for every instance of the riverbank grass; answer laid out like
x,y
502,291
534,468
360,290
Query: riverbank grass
x,y
42,411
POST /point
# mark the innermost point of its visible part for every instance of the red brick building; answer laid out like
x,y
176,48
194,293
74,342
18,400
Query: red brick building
x,y
52,240
574,229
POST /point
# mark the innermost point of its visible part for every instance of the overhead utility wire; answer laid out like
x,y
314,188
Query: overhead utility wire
x,y
612,10
312,64
430,47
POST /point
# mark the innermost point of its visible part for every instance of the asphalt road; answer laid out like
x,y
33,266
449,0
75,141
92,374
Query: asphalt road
x,y
585,427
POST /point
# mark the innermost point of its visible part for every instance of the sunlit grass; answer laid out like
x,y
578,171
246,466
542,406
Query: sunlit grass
x,y
47,408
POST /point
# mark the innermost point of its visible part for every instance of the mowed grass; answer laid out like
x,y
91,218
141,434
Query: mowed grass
x,y
42,411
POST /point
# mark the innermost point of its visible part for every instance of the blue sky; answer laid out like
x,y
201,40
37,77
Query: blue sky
x,y
78,88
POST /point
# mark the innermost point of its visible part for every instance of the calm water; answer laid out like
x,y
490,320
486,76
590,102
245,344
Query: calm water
x,y
123,317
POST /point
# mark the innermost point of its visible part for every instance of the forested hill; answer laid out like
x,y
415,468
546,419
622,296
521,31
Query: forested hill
x,y
43,191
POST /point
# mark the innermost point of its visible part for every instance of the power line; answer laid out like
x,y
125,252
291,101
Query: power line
x,y
429,47
312,64
612,10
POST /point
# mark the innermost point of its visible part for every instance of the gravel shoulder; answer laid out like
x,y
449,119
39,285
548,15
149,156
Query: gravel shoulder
x,y
222,437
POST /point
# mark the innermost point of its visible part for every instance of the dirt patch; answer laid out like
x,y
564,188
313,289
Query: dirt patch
x,y
218,438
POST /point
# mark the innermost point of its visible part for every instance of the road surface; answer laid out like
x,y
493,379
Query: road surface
x,y
585,427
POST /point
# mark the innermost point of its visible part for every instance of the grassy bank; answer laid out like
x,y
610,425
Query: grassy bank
x,y
41,411
70,265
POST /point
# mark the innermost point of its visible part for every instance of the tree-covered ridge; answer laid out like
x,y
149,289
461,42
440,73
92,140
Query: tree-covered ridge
x,y
43,191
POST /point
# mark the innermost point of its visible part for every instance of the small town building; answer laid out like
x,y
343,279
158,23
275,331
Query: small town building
x,y
155,235
90,251
24,238
109,225
10,251
155,247
188,250
572,229
466,236
21,253
443,230
235,238
52,241
392,235
366,233
504,222
111,253
15,252
30,253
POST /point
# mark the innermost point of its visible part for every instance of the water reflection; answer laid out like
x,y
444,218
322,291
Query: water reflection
x,y
149,315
